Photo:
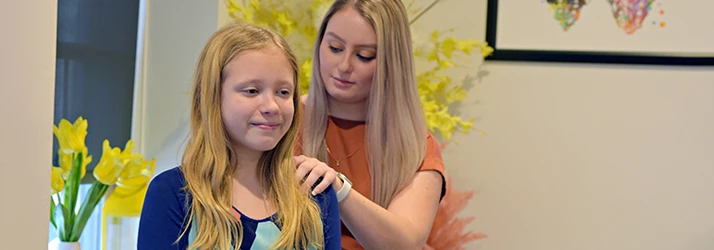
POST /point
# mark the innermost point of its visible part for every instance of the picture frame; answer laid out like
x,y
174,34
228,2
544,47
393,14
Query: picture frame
x,y
524,34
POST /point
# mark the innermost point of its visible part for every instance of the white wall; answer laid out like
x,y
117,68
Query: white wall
x,y
27,75
584,156
176,31
575,157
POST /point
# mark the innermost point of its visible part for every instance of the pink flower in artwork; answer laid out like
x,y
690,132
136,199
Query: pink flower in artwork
x,y
629,14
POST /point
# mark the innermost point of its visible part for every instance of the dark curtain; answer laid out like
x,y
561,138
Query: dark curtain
x,y
96,54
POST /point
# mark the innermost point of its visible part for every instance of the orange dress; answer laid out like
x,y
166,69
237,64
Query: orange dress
x,y
345,139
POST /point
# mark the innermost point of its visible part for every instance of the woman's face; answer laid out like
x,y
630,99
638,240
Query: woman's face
x,y
348,57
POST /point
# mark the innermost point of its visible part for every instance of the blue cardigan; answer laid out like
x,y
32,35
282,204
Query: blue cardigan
x,y
165,212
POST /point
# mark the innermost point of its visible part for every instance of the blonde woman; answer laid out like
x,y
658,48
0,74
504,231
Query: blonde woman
x,y
365,120
235,187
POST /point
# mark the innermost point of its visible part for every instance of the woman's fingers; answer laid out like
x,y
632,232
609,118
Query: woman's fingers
x,y
302,170
327,180
299,159
312,177
312,173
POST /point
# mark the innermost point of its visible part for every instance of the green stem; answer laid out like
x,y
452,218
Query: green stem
x,y
52,211
63,229
62,208
70,196
95,194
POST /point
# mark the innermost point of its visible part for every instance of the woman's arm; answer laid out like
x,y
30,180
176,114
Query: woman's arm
x,y
405,224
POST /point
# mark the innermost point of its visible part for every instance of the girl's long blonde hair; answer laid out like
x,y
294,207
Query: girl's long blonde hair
x,y
396,127
209,161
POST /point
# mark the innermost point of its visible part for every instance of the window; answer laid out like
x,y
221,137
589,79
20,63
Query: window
x,y
96,52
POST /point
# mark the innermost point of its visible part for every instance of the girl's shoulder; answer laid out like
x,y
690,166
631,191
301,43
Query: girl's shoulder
x,y
325,198
169,186
170,179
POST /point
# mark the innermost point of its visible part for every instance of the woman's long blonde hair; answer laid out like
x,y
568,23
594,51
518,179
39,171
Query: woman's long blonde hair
x,y
209,161
396,127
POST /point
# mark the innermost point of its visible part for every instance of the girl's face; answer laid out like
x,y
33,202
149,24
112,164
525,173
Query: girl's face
x,y
257,99
348,57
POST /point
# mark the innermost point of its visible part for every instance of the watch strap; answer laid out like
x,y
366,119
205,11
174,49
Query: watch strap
x,y
346,187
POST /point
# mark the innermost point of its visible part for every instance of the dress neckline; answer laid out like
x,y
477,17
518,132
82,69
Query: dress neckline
x,y
243,216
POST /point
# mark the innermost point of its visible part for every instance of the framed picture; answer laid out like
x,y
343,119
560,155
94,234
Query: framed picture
x,y
661,32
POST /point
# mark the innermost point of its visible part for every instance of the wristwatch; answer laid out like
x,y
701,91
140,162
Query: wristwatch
x,y
346,187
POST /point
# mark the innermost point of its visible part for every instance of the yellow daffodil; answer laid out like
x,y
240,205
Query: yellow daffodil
x,y
112,163
136,175
57,181
71,136
123,169
65,162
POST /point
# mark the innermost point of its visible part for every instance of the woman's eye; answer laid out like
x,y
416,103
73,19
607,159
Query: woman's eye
x,y
284,92
250,91
365,58
334,49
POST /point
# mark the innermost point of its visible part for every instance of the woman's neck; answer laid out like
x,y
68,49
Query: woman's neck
x,y
348,111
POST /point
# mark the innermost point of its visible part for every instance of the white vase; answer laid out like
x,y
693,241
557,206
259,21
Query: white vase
x,y
56,244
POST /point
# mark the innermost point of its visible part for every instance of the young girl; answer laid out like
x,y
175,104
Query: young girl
x,y
364,118
235,188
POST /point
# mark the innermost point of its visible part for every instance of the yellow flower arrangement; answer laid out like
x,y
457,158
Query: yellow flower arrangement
x,y
298,21
126,171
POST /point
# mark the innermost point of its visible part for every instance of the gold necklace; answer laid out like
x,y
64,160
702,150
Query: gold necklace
x,y
348,156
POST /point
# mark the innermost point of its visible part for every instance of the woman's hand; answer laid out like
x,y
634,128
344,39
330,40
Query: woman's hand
x,y
309,170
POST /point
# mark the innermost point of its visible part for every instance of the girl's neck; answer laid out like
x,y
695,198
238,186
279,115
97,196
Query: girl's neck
x,y
246,160
246,171
247,192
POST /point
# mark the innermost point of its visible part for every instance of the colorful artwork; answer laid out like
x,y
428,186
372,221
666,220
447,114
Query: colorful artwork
x,y
652,32
629,14
658,21
566,12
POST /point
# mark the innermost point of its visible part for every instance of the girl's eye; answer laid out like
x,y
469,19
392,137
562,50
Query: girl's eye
x,y
284,92
250,91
